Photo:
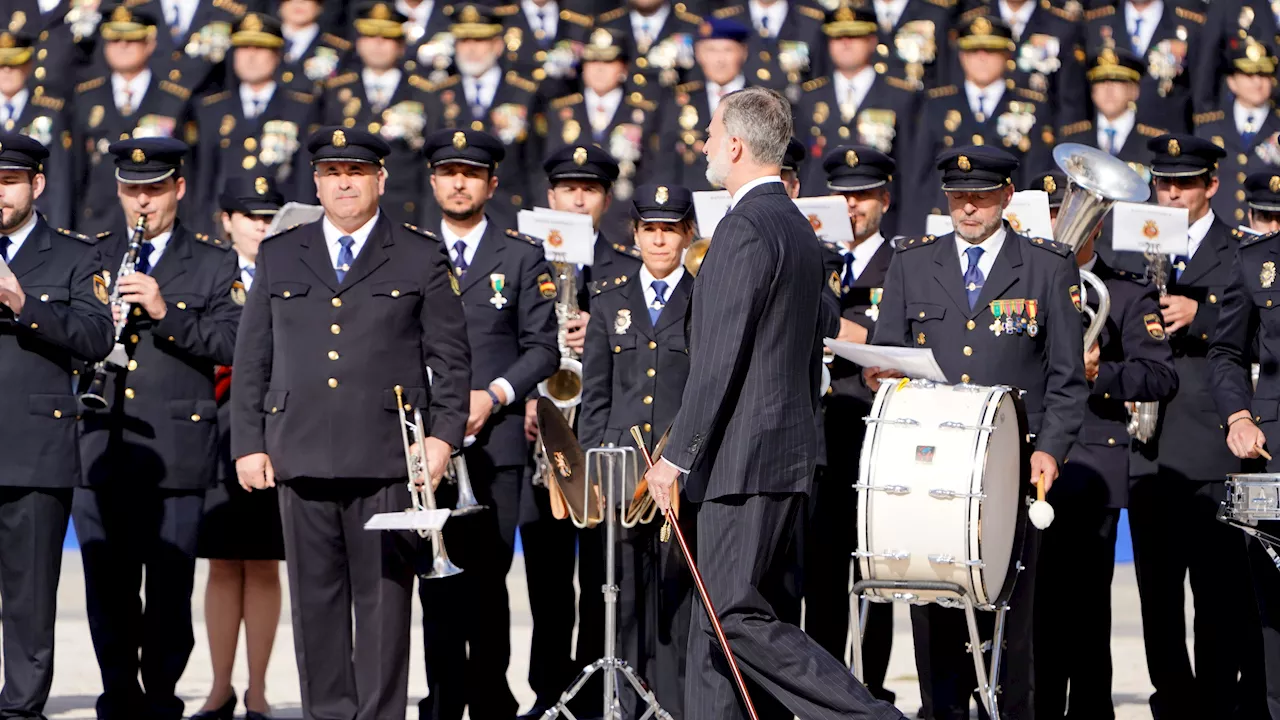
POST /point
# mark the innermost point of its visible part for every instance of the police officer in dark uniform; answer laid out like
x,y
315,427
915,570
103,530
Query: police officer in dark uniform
x,y
786,47
1245,126
257,124
1131,361
342,312
152,452
129,99
910,48
1166,36
194,39
428,50
63,35
38,115
661,36
986,109
855,103
1264,208
1178,477
540,40
388,101
1250,414
1223,24
311,55
930,301
1115,77
53,314
508,299
862,176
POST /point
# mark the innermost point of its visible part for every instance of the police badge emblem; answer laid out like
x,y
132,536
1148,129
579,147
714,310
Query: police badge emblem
x,y
237,293
1268,275
622,322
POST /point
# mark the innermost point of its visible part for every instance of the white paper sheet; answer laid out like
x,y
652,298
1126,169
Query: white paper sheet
x,y
1028,214
829,217
1139,227
710,206
915,363
294,213
566,237
408,520
938,225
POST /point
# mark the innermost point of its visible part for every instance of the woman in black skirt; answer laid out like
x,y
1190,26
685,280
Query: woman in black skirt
x,y
240,533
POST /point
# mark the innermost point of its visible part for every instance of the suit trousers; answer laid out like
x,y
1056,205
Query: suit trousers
x,y
466,620
336,567
33,522
744,545
1073,612
549,558
121,532
1266,587
1176,533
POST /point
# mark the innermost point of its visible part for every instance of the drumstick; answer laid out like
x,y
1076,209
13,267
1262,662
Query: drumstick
x,y
702,588
1264,453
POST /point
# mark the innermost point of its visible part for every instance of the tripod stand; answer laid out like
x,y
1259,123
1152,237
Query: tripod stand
x,y
612,470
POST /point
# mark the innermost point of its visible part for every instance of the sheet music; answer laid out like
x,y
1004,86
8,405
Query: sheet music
x,y
408,520
294,213
915,363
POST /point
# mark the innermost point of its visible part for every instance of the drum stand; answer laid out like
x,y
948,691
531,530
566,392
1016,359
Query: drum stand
x,y
988,689
613,470
1267,540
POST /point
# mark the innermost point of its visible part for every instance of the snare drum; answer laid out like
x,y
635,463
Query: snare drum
x,y
1253,496
943,489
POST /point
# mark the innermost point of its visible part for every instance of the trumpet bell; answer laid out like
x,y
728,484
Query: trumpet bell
x,y
1097,181
564,387
695,255
441,567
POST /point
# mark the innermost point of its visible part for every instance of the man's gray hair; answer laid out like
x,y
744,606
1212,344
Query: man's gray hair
x,y
761,118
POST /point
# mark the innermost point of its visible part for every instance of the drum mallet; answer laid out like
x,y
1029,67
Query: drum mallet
x,y
1264,453
702,588
1041,512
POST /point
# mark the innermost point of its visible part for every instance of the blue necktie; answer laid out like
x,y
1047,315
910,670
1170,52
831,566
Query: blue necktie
x,y
1111,141
1136,37
659,301
460,263
849,277
1179,265
1249,133
250,270
5,242
144,258
345,257
973,276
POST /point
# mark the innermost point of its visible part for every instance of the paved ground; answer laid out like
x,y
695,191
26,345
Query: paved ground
x,y
77,683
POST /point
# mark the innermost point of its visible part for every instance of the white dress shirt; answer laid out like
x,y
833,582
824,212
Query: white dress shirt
x,y
646,282
1150,16
768,17
472,242
1017,19
742,191
609,102
1244,114
1123,125
984,101
300,39
1196,233
17,237
13,106
486,85
852,91
715,92
48,6
332,234
380,88
863,252
185,13
417,15
246,273
158,244
652,24
990,247
262,97
888,12
545,18
129,93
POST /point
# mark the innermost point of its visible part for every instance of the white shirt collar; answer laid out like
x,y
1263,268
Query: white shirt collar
x,y
742,191
419,15
246,271
992,94
48,6
865,249
18,103
137,87
471,239
17,237
158,245
990,249
332,234
1197,231
715,91
888,12
610,100
537,16
655,22
1017,19
248,96
1123,125
389,80
775,13
301,40
860,84
1150,19
488,85
1243,114
647,278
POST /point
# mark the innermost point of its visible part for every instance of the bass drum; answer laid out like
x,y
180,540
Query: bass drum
x,y
943,490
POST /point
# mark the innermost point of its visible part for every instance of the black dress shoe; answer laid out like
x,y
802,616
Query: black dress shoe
x,y
226,712
534,713
251,715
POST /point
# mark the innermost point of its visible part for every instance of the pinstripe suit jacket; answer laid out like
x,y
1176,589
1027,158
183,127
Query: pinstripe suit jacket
x,y
746,423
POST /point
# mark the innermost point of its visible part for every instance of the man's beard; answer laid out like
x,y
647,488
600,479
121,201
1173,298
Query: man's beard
x,y
718,168
20,218
461,215
472,68
983,233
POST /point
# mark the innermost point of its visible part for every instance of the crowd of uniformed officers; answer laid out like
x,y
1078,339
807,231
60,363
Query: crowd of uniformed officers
x,y
145,148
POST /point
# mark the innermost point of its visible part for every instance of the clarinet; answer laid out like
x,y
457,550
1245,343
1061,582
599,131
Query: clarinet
x,y
95,397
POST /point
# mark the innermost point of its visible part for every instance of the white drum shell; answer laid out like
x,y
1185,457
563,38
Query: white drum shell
x,y
959,518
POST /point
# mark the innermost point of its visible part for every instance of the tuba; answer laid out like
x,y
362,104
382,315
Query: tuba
x,y
94,397
424,497
1097,180
564,387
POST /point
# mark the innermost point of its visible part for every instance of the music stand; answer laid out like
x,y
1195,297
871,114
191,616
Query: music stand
x,y
612,470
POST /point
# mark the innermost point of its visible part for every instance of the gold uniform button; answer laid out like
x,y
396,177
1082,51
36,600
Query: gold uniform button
x,y
1212,298
35,326
1106,396
1242,159
57,413
182,305
1268,303
275,410
287,293
335,329
964,378
968,351
250,144
375,127
652,345
170,338
137,312
648,400
44,298
651,372
195,418
333,354
971,325
1204,336
336,302
133,339
647,427
249,163
395,293
133,364
333,382
921,313
128,393
477,125
617,349
1111,441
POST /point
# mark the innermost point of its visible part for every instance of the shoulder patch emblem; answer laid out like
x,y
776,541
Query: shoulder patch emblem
x,y
833,283
1074,292
546,286
237,293
1155,328
100,288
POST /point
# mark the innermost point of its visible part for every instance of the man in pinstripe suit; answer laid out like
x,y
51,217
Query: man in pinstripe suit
x,y
745,431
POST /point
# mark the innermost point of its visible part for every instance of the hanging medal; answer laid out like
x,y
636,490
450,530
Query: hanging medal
x,y
498,281
873,312
1009,322
1020,319
1033,327
997,307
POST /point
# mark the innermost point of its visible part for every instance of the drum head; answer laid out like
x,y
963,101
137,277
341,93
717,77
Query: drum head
x,y
1002,515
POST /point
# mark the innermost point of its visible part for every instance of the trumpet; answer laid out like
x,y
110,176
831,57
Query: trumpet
x,y
424,497
564,387
457,472
94,397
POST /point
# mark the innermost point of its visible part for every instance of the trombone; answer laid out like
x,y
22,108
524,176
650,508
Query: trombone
x,y
424,497
94,397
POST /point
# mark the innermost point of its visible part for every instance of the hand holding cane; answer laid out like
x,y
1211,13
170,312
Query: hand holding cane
x,y
674,524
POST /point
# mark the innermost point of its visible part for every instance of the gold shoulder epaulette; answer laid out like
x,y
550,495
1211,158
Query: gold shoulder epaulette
x,y
612,15
215,242
688,17
637,100
1076,127
134,3
692,86
1148,131
175,90
898,83
103,235
629,251
1192,15
343,79
1030,94
513,78
905,244
816,83
1099,13
45,101
600,286
944,3
944,91
304,98
231,6
728,12
566,101
88,85
811,12
340,43
1050,245
447,82
76,235
972,13
573,17
509,10
523,238
1208,117
1060,12
215,98
421,83
424,233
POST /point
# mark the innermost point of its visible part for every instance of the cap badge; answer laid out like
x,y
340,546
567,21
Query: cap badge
x,y
7,41
981,26
1253,50
844,14
580,156
1174,148
138,156
601,38
851,158
121,15
260,185
459,141
1108,57
1274,185
339,139
380,12
469,15
964,163
252,23
662,195
1050,185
